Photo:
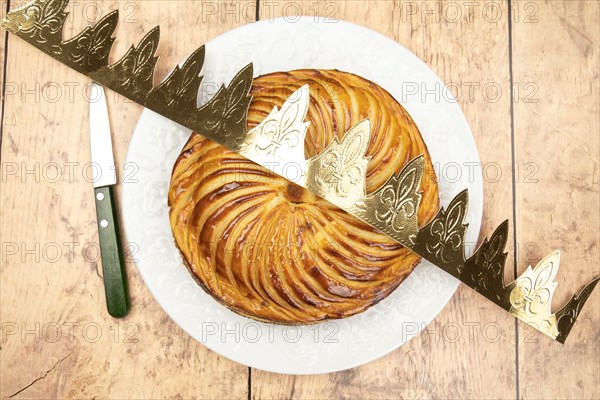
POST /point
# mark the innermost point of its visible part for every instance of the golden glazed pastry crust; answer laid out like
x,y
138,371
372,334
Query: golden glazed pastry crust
x,y
271,250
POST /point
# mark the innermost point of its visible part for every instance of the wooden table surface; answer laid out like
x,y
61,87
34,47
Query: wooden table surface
x,y
539,142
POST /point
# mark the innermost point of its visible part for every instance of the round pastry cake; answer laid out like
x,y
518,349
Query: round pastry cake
x,y
273,251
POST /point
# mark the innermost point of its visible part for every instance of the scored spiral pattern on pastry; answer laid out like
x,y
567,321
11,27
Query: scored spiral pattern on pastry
x,y
273,251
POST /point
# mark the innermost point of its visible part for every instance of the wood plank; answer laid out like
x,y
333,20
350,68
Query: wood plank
x,y
2,58
558,198
57,286
466,54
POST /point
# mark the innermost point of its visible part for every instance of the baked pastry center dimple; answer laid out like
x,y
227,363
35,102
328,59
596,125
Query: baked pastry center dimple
x,y
297,194
272,250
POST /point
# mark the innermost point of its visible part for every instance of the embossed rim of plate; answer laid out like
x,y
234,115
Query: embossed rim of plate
x,y
280,45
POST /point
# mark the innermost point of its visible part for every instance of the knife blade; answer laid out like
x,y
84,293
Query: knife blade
x,y
111,253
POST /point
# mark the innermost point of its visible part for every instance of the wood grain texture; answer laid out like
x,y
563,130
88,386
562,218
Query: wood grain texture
x,y
2,55
469,332
3,38
557,137
58,341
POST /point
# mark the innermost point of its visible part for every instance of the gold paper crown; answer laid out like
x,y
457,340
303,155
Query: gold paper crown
x,y
338,174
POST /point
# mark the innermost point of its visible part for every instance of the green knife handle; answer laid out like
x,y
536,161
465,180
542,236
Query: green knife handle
x,y
113,262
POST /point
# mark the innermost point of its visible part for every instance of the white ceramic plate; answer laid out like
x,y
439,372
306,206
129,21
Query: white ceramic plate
x,y
281,45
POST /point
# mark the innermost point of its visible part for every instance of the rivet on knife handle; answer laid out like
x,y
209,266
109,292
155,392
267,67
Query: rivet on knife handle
x,y
113,262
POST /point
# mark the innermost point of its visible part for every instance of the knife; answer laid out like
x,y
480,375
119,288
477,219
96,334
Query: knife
x,y
113,263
